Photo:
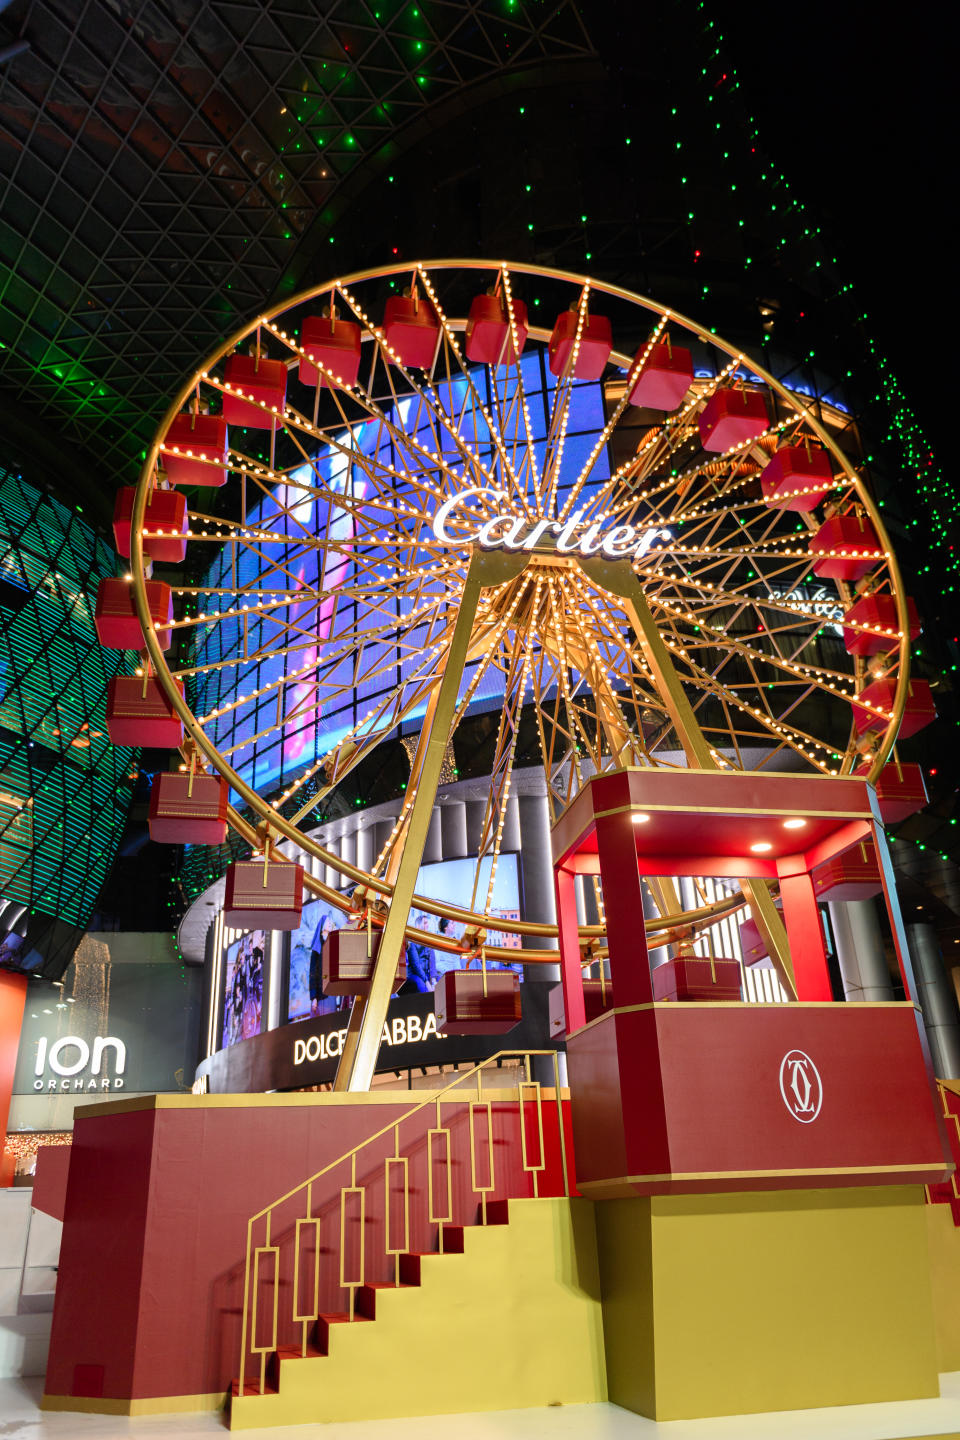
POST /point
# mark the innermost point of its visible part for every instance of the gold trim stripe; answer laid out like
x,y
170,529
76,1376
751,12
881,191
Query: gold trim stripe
x,y
278,1100
152,1405
762,811
685,1005
897,1166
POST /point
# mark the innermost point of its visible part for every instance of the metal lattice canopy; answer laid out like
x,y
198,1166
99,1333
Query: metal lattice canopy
x,y
430,530
166,165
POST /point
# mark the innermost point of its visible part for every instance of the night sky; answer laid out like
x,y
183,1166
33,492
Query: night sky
x,y
861,114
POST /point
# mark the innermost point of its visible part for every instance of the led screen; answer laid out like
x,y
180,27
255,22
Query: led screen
x,y
304,975
452,881
318,704
449,880
243,987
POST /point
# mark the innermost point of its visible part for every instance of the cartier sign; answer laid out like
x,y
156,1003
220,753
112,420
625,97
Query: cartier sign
x,y
453,524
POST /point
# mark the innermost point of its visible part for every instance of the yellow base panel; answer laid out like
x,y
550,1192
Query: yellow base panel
x,y
154,1405
785,1300
514,1321
944,1240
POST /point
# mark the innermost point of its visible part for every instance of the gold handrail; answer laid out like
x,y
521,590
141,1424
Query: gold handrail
x,y
257,1255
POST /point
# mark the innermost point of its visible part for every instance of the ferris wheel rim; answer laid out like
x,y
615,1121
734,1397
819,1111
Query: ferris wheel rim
x,y
270,817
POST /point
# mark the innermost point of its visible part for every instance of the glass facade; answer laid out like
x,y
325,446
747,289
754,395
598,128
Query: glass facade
x,y
64,789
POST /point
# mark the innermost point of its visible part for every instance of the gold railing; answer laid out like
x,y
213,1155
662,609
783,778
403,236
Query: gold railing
x,y
294,1225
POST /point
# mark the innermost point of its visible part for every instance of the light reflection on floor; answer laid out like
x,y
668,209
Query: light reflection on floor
x,y
21,1419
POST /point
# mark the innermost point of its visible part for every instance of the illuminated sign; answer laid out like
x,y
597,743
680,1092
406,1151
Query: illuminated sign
x,y
816,602
400,1030
66,1071
507,531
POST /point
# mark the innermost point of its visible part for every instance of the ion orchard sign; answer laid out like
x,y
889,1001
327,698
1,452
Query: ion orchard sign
x,y
506,531
66,1071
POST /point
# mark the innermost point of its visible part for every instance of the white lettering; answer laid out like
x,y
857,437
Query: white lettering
x,y
591,541
541,527
399,1030
413,1029
489,538
565,541
509,532
447,508
647,539
618,542
69,1042
118,1084
120,1050
385,1035
313,1048
430,1027
41,1056
299,1052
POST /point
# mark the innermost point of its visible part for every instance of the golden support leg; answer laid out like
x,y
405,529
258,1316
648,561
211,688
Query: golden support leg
x,y
620,580
484,570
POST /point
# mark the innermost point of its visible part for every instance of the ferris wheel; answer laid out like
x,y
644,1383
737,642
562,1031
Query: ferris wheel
x,y
423,490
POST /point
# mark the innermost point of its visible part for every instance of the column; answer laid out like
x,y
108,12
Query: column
x,y
651,912
433,845
539,904
365,851
860,952
453,830
936,999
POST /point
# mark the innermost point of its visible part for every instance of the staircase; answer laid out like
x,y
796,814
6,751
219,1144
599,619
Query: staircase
x,y
507,1316
450,1235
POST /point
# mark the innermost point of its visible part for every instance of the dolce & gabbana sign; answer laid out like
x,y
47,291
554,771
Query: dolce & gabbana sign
x,y
307,1052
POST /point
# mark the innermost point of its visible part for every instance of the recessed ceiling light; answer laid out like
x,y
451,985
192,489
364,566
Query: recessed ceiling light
x,y
761,847
639,817
796,824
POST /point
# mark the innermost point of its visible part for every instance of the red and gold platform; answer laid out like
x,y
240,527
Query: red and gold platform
x,y
757,1168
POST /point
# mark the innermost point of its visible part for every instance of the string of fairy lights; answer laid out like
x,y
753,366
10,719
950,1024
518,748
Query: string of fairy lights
x,y
677,497
904,429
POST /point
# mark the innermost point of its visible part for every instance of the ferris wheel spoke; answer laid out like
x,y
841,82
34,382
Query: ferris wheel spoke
x,y
508,474
636,370
501,775
331,603
798,740
468,457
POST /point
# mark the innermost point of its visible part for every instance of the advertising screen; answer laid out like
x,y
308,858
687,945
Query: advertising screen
x,y
449,880
243,987
452,881
304,971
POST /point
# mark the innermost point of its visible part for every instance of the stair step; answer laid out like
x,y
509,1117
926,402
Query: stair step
x,y
295,1352
367,1296
251,1387
336,1317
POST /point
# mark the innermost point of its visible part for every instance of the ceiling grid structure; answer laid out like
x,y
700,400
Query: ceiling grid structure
x,y
165,161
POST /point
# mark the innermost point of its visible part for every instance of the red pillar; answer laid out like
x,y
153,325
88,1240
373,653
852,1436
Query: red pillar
x,y
801,916
623,907
13,996
571,973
